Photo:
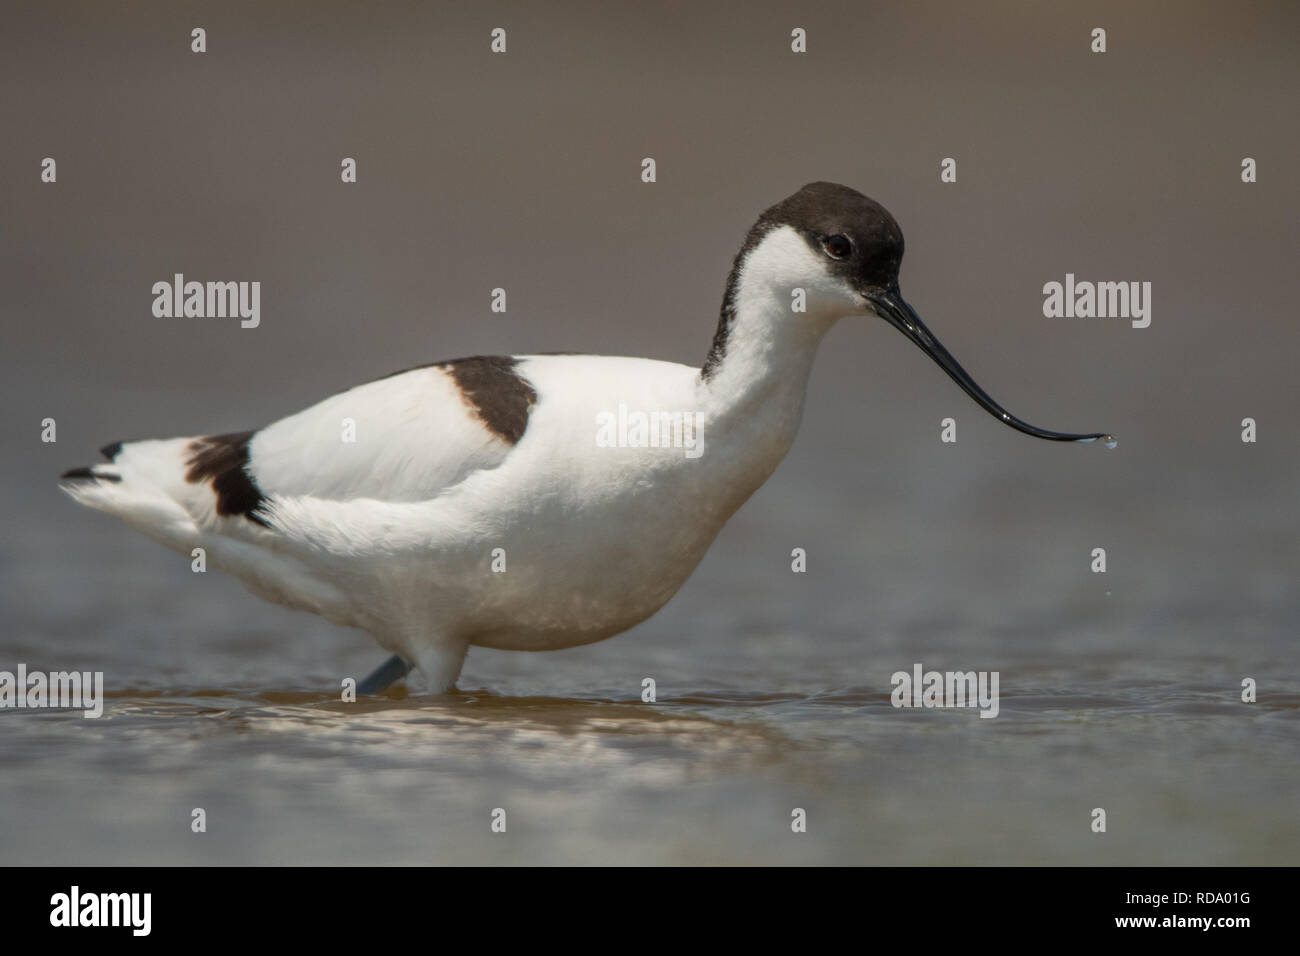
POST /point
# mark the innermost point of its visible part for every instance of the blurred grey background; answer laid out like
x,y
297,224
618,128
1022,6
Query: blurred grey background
x,y
522,171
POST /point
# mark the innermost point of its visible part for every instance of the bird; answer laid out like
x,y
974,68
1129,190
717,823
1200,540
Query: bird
x,y
528,502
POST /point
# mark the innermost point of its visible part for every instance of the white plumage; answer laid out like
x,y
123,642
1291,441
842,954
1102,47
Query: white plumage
x,y
395,532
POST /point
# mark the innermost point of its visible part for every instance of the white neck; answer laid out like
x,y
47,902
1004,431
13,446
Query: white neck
x,y
753,395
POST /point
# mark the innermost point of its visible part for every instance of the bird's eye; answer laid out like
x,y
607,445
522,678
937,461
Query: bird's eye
x,y
838,246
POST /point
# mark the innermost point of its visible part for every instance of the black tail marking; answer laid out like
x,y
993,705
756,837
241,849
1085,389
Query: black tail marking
x,y
110,451
85,474
223,460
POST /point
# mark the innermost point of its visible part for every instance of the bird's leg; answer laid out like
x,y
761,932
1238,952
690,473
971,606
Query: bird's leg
x,y
440,662
386,674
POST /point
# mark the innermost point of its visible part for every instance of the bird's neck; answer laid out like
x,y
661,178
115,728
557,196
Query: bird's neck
x,y
755,378
764,365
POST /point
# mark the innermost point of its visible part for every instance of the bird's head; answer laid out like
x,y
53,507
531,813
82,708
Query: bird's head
x,y
828,252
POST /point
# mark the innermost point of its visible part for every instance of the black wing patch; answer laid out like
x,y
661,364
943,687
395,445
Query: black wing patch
x,y
489,384
500,396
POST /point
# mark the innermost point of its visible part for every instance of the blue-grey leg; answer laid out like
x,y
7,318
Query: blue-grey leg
x,y
387,673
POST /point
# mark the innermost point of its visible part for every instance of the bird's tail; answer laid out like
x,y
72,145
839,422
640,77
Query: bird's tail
x,y
143,484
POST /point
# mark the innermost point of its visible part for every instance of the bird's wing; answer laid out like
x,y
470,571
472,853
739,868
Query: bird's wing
x,y
404,438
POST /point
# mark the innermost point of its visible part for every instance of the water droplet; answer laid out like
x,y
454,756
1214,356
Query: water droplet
x,y
1109,441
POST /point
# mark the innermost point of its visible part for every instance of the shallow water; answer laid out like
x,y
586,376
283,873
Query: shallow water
x,y
773,693
708,777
